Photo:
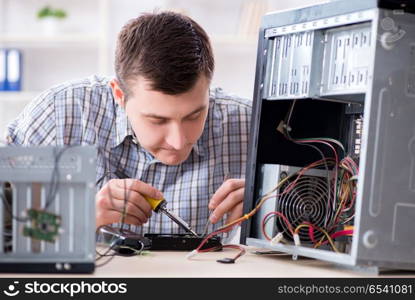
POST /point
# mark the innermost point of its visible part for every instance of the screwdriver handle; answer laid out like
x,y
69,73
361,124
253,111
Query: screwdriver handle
x,y
158,205
155,204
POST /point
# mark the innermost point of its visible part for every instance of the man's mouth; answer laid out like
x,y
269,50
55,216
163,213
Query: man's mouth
x,y
170,149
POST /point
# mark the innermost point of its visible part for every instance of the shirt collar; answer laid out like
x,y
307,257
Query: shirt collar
x,y
198,148
123,127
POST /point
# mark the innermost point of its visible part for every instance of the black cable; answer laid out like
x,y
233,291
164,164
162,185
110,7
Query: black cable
x,y
120,175
56,176
112,245
55,182
6,204
110,248
124,209
98,182
107,165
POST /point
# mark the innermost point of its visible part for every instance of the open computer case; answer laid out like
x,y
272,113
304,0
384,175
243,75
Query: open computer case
x,y
334,123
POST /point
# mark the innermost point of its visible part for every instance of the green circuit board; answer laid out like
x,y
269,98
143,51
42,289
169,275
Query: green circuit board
x,y
44,226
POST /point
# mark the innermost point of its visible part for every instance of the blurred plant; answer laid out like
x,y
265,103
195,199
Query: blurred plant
x,y
48,12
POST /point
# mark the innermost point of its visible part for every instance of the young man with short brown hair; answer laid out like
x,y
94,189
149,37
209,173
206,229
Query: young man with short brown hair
x,y
161,131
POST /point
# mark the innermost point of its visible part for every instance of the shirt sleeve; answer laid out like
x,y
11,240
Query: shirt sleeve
x,y
36,124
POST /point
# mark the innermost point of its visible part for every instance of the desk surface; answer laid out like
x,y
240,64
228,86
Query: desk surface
x,y
174,264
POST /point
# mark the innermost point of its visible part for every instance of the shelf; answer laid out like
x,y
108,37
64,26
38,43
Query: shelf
x,y
20,97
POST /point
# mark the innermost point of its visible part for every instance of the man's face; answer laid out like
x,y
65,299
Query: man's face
x,y
167,125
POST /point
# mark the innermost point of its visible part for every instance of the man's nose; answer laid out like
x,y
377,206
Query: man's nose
x,y
176,137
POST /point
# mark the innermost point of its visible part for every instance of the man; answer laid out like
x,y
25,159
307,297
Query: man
x,y
160,130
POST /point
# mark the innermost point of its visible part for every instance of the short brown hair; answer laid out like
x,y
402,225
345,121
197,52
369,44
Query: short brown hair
x,y
168,49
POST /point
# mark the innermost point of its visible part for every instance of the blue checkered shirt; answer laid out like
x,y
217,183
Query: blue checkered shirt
x,y
83,112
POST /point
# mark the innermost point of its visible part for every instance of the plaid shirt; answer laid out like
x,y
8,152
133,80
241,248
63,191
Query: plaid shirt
x,y
84,112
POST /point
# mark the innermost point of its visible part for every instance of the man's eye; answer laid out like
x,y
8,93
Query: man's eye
x,y
158,121
194,117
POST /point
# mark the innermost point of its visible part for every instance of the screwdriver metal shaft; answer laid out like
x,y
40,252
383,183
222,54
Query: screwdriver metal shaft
x,y
179,221
159,205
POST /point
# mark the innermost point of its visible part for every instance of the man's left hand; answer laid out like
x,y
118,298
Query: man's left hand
x,y
228,199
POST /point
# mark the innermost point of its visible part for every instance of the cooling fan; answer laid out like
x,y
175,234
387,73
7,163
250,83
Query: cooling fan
x,y
304,201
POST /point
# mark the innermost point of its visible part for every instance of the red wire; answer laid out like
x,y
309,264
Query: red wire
x,y
336,166
339,233
300,173
273,213
342,233
353,163
352,201
322,142
242,250
311,234
286,190
198,249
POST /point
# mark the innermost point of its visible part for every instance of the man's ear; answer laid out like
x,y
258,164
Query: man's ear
x,y
117,92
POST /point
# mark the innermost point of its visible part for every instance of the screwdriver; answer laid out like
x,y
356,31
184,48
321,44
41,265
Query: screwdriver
x,y
159,205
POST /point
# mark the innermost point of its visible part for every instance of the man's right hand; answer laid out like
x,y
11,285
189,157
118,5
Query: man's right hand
x,y
109,201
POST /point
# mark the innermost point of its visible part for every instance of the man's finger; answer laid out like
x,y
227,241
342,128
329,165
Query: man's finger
x,y
140,187
233,199
131,209
224,190
116,192
113,216
236,213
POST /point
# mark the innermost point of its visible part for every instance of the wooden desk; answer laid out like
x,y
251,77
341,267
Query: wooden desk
x,y
174,264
